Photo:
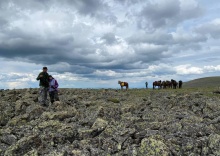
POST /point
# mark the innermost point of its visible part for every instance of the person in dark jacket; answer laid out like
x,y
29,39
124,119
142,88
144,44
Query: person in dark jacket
x,y
53,89
146,85
43,77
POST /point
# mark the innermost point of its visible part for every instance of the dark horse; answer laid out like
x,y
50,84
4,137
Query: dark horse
x,y
157,83
166,84
180,83
174,84
122,84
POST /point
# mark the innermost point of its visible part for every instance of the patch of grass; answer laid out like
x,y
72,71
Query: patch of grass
x,y
113,100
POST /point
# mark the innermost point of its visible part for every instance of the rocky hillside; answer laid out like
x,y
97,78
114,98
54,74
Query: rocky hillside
x,y
203,82
89,122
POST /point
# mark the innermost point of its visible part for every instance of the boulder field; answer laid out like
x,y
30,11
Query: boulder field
x,y
110,122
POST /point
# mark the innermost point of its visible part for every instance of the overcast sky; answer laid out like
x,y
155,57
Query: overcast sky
x,y
95,43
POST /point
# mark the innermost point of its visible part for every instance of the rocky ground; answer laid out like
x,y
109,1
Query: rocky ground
x,y
105,122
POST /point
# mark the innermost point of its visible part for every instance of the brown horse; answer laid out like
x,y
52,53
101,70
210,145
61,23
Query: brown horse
x,y
122,84
165,84
169,84
157,83
174,84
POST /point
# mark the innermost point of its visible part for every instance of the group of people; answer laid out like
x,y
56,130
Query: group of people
x,y
47,84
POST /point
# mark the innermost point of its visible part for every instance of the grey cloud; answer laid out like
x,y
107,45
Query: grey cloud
x,y
90,6
109,38
212,29
63,67
3,23
155,38
154,15
128,2
10,77
32,5
187,39
149,55
93,8
190,46
107,17
159,15
71,40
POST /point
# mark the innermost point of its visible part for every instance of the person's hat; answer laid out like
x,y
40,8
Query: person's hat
x,y
44,67
50,76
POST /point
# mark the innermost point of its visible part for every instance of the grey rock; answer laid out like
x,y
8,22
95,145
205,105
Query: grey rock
x,y
110,122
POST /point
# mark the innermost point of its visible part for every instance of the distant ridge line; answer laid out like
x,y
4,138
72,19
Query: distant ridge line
x,y
213,81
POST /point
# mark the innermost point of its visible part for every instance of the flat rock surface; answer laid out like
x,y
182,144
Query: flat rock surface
x,y
96,122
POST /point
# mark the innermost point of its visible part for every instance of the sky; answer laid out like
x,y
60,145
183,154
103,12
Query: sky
x,y
95,43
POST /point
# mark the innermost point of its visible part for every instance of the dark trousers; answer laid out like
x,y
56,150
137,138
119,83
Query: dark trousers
x,y
54,96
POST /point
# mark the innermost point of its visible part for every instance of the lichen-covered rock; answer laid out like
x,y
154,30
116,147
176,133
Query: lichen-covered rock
x,y
86,122
51,124
32,153
153,146
8,139
214,144
99,123
23,145
7,112
59,115
18,120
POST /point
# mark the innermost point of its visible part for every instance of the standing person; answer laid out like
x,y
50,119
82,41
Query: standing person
x,y
180,83
146,85
44,84
53,89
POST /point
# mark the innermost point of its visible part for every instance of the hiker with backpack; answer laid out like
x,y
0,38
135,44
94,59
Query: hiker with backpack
x,y
43,77
53,89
